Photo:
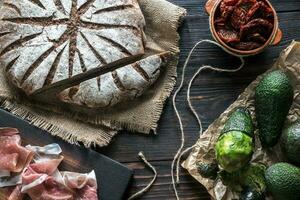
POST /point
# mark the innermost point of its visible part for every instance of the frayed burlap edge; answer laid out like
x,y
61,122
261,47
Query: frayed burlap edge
x,y
102,128
102,136
168,87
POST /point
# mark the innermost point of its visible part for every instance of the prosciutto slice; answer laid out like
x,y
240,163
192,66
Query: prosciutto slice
x,y
33,170
85,185
12,193
42,180
13,157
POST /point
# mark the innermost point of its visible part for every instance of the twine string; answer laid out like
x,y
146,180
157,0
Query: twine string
x,y
180,151
146,189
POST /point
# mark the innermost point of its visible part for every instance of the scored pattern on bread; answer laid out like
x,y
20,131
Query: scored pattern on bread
x,y
43,42
122,84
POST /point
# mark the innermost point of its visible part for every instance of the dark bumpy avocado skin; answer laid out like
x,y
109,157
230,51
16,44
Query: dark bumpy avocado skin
x,y
208,170
283,181
290,142
252,194
273,99
240,120
254,182
250,181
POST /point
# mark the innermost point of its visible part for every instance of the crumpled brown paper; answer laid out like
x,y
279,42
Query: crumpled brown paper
x,y
97,127
289,62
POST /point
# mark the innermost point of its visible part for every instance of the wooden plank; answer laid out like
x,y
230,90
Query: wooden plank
x,y
162,189
212,94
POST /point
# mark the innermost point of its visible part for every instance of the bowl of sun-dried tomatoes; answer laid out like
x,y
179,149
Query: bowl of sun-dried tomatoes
x,y
244,27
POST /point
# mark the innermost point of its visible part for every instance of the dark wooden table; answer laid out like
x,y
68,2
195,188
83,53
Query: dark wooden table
x,y
212,93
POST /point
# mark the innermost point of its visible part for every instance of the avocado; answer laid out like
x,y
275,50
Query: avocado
x,y
273,99
235,145
240,120
283,181
249,180
253,176
234,150
252,194
208,170
232,180
290,142
253,182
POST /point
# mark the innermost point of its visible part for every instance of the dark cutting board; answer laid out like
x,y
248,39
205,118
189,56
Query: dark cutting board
x,y
113,178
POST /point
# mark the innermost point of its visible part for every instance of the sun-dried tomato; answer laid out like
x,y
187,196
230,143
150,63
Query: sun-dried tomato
x,y
222,7
260,10
220,23
264,12
220,20
246,4
256,37
266,8
230,2
261,26
253,10
246,46
226,11
238,18
228,36
244,24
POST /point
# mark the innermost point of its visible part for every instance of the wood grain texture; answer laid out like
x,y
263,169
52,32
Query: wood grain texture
x,y
212,93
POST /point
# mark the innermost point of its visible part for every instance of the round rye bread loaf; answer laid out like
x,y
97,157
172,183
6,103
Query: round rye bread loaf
x,y
47,43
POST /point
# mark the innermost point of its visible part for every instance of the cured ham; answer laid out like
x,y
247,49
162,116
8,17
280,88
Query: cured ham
x,y
42,180
13,193
84,184
33,171
13,157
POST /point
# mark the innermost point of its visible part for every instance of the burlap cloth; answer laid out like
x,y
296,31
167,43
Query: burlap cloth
x,y
95,127
289,62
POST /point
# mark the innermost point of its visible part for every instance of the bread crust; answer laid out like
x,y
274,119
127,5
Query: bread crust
x,y
46,41
43,43
122,84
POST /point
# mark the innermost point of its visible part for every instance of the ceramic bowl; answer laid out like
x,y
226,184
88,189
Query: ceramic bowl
x,y
274,39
